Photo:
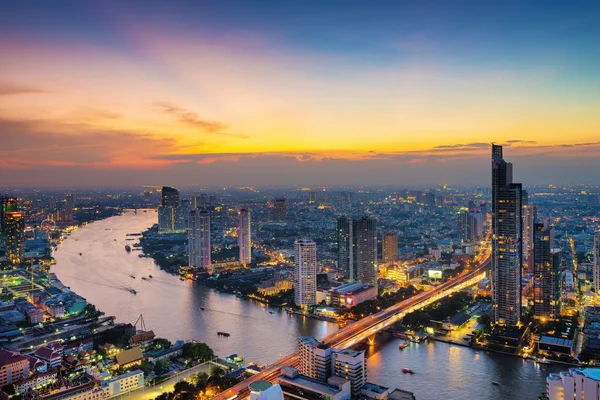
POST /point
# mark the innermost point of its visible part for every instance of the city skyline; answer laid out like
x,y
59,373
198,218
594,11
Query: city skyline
x,y
326,95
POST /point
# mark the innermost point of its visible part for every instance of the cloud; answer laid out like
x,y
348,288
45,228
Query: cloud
x,y
7,89
193,119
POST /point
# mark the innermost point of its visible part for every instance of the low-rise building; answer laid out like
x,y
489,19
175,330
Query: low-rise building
x,y
122,384
13,367
129,358
52,354
36,381
351,294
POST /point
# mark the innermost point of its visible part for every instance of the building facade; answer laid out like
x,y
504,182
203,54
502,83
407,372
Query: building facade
x,y
314,358
596,252
350,365
575,384
364,232
345,247
546,273
14,237
199,247
305,273
507,255
389,247
279,210
245,236
529,217
13,367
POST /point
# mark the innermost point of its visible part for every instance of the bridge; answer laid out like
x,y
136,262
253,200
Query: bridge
x,y
366,327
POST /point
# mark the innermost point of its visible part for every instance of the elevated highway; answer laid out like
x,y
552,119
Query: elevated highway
x,y
361,330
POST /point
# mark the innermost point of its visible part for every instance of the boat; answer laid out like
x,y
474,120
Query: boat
x,y
202,308
542,361
270,312
407,371
127,248
403,345
226,334
80,254
132,291
150,276
132,276
144,278
496,383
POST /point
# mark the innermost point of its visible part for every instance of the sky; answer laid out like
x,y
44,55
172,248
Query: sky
x,y
114,93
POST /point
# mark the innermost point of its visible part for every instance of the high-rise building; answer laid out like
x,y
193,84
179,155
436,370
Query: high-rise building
x,y
597,262
507,255
529,217
245,236
364,232
314,358
345,247
312,197
546,273
470,224
170,197
305,273
14,237
279,210
575,384
357,248
346,198
7,204
350,365
199,238
389,247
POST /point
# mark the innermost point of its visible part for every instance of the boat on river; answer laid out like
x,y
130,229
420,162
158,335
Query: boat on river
x,y
542,361
403,345
407,371
132,291
225,334
127,248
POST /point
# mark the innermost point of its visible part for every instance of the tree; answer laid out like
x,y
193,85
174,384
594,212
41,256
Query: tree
x,y
160,367
184,387
160,343
201,380
198,351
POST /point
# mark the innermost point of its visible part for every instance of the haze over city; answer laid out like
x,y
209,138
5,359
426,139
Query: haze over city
x,y
239,92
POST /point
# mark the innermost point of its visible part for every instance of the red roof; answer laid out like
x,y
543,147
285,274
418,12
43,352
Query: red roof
x,y
9,357
46,353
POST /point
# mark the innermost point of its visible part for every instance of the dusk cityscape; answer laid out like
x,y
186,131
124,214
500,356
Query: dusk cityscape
x,y
320,200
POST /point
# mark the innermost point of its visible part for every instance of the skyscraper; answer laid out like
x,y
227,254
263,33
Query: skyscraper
x,y
470,224
279,210
305,273
597,262
7,204
312,197
170,197
14,237
546,275
350,365
344,242
507,255
364,232
389,247
245,237
529,216
314,358
199,238
169,212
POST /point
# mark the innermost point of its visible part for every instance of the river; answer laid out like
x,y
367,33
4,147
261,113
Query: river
x,y
171,307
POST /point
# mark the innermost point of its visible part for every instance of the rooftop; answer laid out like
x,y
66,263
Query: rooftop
x,y
310,384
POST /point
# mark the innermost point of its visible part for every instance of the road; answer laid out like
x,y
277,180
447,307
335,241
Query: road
x,y
360,330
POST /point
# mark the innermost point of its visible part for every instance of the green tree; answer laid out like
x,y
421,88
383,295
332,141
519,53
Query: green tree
x,y
160,343
160,367
197,351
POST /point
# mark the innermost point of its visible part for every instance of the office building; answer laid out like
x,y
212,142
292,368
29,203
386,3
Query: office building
x,y
265,390
199,238
170,197
470,224
389,247
170,217
7,204
345,247
596,252
14,237
297,386
350,365
357,249
546,275
245,236
364,232
529,217
314,358
279,210
305,273
507,255
575,384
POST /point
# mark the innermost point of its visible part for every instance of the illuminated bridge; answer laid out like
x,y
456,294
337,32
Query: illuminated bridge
x,y
366,327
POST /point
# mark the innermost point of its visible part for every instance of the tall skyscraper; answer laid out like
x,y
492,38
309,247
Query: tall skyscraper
x,y
312,197
529,216
597,262
14,237
314,358
350,365
546,275
357,248
279,210
245,236
364,232
199,238
7,204
345,247
389,247
470,224
507,255
169,213
305,273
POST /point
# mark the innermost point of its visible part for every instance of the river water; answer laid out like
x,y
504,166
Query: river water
x,y
171,307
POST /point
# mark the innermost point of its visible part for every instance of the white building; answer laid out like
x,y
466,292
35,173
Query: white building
x,y
199,238
124,383
265,390
305,273
315,358
597,262
350,365
245,237
297,386
574,384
